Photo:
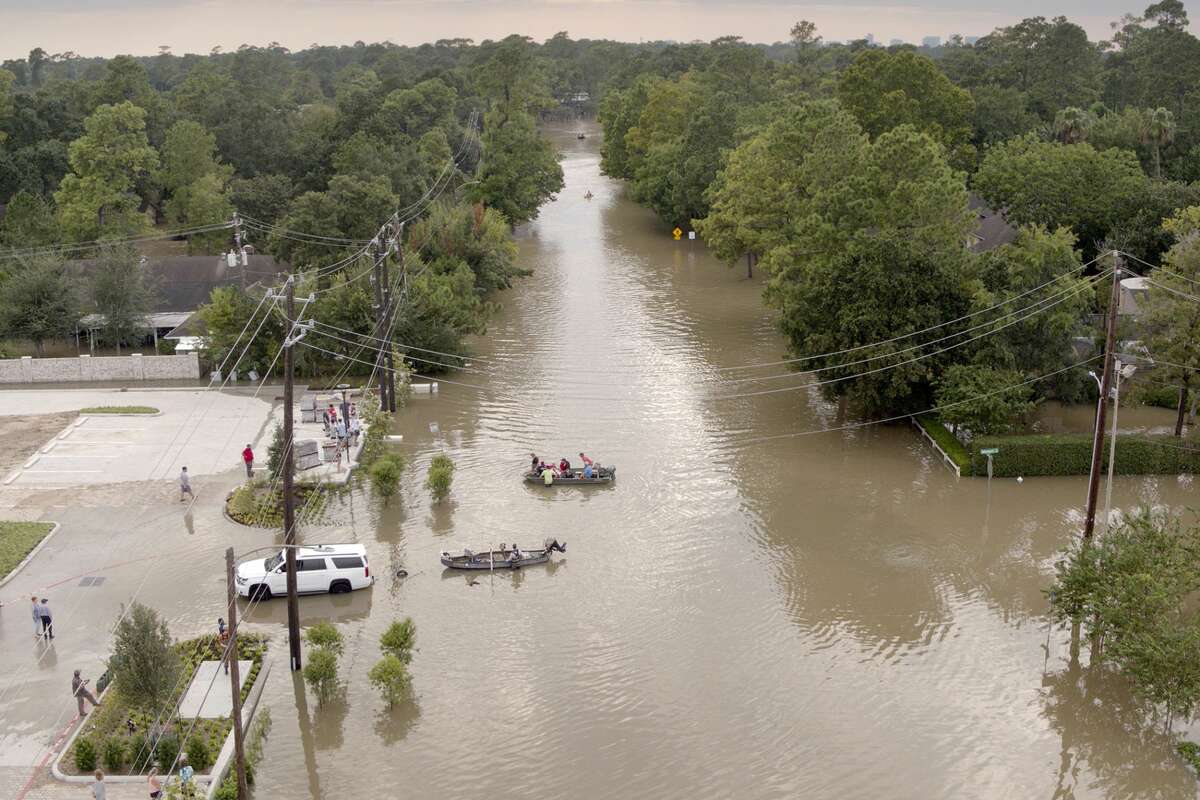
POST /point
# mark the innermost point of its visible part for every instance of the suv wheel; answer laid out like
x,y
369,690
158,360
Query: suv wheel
x,y
260,592
339,587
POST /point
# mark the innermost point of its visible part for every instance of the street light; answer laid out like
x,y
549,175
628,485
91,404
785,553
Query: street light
x,y
1119,371
343,388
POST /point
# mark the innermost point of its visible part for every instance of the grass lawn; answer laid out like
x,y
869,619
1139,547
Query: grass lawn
x,y
119,410
17,539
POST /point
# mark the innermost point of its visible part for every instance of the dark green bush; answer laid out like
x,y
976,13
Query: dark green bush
x,y
166,751
140,754
198,753
114,754
85,755
1071,454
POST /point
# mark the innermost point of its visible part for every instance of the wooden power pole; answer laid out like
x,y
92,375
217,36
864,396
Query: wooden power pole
x,y
388,379
378,255
1110,347
239,751
289,500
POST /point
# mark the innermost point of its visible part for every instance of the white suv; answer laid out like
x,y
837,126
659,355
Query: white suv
x,y
334,568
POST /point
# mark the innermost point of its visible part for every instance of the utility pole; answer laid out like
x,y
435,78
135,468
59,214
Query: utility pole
x,y
289,500
378,256
389,376
243,792
237,241
1110,346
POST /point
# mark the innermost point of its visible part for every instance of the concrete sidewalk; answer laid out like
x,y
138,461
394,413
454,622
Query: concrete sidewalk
x,y
202,430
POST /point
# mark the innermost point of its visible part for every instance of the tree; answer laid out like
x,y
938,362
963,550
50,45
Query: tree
x,y
28,222
7,79
1158,130
1131,591
122,294
977,398
1001,112
385,475
1073,124
143,663
227,313
400,639
1037,338
519,171
887,89
38,302
263,197
1171,315
441,474
98,199
1057,185
391,678
321,673
189,154
324,635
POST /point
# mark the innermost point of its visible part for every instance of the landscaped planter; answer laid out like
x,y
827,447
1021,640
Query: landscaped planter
x,y
105,725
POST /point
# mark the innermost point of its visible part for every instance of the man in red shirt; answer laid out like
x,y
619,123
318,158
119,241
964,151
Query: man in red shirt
x,y
587,462
248,457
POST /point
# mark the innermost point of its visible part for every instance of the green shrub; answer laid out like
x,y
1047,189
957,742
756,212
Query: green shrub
x,y
243,505
198,753
947,441
385,474
166,751
144,664
391,678
85,754
1071,454
440,476
114,754
325,636
1191,753
140,754
321,673
399,639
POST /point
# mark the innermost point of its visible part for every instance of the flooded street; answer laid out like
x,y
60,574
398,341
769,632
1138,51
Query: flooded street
x,y
753,610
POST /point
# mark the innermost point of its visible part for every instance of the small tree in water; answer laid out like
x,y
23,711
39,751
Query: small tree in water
x,y
385,474
321,670
441,475
144,665
1132,591
391,678
399,639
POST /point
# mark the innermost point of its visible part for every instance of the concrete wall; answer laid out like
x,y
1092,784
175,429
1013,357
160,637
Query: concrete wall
x,y
134,367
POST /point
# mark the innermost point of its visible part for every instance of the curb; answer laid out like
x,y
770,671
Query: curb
x,y
221,766
37,549
121,414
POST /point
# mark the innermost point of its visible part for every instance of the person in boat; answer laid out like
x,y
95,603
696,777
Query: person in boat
x,y
587,462
535,464
587,471
564,468
547,475
515,554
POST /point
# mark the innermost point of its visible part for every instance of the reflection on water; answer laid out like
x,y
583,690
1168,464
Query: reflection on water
x,y
828,615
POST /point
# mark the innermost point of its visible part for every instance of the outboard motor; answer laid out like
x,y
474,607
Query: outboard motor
x,y
552,545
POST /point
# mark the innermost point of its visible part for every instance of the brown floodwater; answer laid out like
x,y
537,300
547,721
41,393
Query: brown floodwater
x,y
825,615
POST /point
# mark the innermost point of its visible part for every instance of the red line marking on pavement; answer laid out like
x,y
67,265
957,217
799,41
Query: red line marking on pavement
x,y
99,569
42,764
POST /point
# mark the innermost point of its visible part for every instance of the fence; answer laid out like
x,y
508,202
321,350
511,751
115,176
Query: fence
x,y
135,367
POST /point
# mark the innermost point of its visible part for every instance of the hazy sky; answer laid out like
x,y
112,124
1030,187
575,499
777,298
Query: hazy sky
x,y
108,27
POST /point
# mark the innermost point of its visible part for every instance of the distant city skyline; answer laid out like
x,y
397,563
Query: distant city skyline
x,y
140,27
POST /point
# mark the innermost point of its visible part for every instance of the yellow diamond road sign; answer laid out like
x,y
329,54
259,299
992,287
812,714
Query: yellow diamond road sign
x,y
677,233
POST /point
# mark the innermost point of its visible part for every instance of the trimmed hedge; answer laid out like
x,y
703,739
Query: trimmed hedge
x,y
1071,454
947,441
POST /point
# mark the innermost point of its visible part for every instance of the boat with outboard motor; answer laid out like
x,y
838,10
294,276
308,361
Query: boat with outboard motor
x,y
504,558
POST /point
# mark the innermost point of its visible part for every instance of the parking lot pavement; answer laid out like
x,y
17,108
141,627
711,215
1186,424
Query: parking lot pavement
x,y
202,430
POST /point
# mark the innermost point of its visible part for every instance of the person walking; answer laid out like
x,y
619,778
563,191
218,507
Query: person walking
x,y
154,784
185,776
355,430
248,457
98,790
47,620
80,691
185,485
37,619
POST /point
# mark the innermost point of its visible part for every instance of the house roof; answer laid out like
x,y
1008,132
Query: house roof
x,y
184,283
994,229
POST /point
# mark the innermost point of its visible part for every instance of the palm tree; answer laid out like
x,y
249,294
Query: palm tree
x,y
1158,130
1072,124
